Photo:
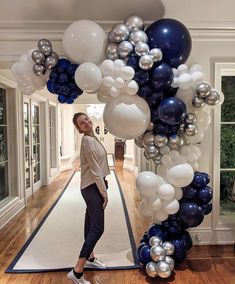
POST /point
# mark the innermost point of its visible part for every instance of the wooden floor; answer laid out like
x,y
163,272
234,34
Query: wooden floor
x,y
205,264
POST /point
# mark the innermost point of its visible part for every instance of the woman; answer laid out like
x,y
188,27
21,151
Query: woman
x,y
94,169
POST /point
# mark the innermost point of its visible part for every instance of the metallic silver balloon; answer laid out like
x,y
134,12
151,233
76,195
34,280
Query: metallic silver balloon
x,y
137,36
170,261
151,269
134,22
146,155
139,142
157,252
198,102
46,49
39,69
150,127
169,248
146,62
148,138
155,241
163,269
111,51
120,32
38,57
141,49
213,98
156,54
181,142
124,49
152,151
157,159
203,90
160,140
51,61
190,118
44,41
173,142
190,129
110,37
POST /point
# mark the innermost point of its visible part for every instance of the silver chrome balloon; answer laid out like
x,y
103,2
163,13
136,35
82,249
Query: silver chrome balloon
x,y
151,269
190,129
134,22
168,247
110,37
146,155
198,102
146,62
163,269
137,36
124,49
213,98
120,32
38,57
157,252
156,54
51,61
46,49
44,41
157,159
139,142
173,142
111,51
39,69
190,118
152,151
141,49
170,261
203,90
160,140
155,241
148,138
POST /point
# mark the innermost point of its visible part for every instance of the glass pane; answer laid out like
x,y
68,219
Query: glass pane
x,y
227,192
3,109
38,154
36,137
34,154
228,107
35,114
27,178
4,189
36,173
3,144
26,113
26,157
227,146
26,135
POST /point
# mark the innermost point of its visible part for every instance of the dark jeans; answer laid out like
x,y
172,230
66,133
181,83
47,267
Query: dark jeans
x,y
94,219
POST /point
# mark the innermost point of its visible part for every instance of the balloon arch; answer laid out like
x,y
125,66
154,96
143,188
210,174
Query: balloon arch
x,y
150,95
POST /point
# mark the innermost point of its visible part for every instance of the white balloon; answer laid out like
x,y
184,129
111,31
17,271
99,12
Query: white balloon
x,y
197,78
127,73
119,82
127,117
194,68
103,94
88,77
182,69
161,171
131,88
178,193
166,191
114,92
180,175
171,207
106,67
160,215
185,81
146,183
108,81
117,67
144,210
157,205
84,41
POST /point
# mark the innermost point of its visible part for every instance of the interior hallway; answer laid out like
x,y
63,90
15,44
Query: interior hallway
x,y
204,264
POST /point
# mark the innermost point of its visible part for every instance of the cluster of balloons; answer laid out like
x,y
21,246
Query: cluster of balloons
x,y
61,81
156,256
44,57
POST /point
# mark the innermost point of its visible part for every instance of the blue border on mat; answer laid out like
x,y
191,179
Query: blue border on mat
x,y
136,265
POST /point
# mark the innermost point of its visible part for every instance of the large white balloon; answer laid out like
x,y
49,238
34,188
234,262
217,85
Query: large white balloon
x,y
127,117
180,175
88,77
147,183
84,41
166,192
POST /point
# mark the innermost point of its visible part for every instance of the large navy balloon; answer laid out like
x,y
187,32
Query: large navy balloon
x,y
173,38
172,111
191,214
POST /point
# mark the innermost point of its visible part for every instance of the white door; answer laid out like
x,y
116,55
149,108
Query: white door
x,y
32,146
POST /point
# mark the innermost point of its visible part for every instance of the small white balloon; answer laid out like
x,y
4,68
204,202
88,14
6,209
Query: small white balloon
x,y
171,207
160,215
119,82
185,81
127,73
182,69
146,183
156,205
131,88
114,92
108,81
166,192
178,193
106,67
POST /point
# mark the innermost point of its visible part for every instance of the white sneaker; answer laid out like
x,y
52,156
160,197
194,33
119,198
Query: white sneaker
x,y
95,264
76,280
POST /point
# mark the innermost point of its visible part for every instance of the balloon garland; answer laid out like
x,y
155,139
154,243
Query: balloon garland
x,y
151,96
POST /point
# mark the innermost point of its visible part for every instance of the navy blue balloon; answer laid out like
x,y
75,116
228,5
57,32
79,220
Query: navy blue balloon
x,y
172,111
145,91
173,129
74,94
185,236
207,177
191,214
173,38
207,208
53,75
64,63
190,193
205,195
62,99
154,115
69,100
144,255
170,92
71,69
155,99
174,230
158,231
161,77
64,90
160,128
133,61
145,237
52,87
199,180
142,77
63,78
139,248
180,250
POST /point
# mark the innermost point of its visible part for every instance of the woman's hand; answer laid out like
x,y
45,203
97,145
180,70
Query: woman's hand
x,y
105,202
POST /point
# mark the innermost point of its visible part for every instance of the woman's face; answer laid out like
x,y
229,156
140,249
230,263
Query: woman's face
x,y
84,123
